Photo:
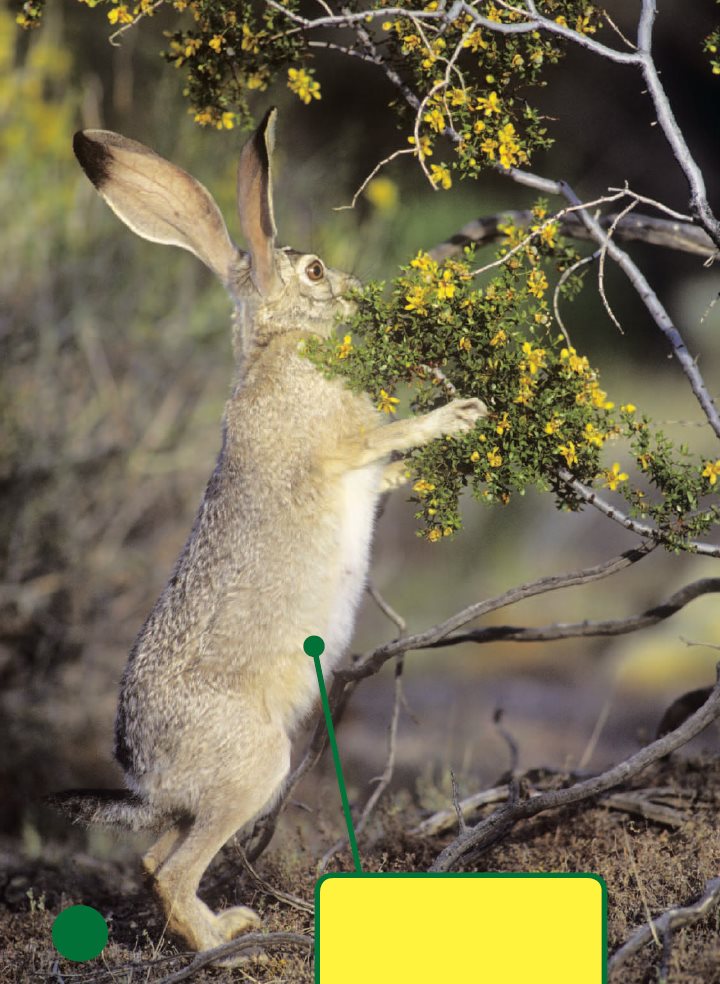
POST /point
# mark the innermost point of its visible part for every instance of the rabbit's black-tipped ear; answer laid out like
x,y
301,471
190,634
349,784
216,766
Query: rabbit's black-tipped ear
x,y
156,199
255,202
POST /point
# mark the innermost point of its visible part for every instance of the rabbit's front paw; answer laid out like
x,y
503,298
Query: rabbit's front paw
x,y
459,416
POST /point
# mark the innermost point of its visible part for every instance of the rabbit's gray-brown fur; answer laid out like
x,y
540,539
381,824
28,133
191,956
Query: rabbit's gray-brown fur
x,y
218,679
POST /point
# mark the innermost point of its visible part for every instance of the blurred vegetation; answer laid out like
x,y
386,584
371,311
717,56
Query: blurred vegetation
x,y
115,355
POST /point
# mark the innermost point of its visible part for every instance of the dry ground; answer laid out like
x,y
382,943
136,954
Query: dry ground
x,y
648,866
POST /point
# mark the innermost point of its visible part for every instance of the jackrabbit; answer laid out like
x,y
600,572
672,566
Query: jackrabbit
x,y
217,678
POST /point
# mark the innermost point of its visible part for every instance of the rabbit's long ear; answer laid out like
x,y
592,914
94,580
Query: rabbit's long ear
x,y
156,199
255,202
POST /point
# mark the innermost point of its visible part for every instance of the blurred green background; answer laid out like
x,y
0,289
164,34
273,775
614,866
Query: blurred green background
x,y
115,363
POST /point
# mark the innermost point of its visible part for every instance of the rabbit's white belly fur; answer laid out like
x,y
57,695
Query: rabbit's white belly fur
x,y
333,617
360,491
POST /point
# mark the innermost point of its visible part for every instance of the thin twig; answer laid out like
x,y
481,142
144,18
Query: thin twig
x,y
595,735
462,826
601,266
595,500
386,608
556,293
250,941
371,175
671,919
292,900
383,781
639,882
587,629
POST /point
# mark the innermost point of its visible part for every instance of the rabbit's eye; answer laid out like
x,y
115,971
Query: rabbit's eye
x,y
315,270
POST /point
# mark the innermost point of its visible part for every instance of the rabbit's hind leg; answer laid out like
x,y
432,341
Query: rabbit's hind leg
x,y
163,847
178,879
245,780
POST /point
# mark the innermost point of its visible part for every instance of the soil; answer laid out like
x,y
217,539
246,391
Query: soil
x,y
649,865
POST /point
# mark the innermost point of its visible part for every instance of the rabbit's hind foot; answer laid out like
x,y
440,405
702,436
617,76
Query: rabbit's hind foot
x,y
234,921
237,920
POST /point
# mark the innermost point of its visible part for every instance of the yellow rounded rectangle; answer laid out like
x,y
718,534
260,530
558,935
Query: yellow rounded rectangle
x,y
428,928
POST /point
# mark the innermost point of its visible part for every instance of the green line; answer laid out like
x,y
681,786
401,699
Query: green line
x,y
338,766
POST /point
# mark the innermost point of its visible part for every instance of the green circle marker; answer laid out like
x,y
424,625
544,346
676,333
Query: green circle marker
x,y
79,933
314,646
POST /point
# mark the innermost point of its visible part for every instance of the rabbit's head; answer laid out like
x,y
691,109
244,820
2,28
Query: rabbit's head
x,y
275,291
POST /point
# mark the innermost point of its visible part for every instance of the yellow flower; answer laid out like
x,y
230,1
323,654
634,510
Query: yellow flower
x,y
614,476
594,436
534,358
553,426
257,80
216,42
410,42
578,363
526,391
509,152
440,175
548,233
434,534
446,287
488,147
457,97
599,397
489,104
475,41
303,85
425,263
345,347
226,121
435,120
583,25
421,487
425,147
387,403
479,126
475,456
203,117
464,344
569,453
121,15
629,407
537,283
499,338
417,299
494,457
192,44
503,424
712,471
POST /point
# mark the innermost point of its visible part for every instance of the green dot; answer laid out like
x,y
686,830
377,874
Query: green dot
x,y
314,646
79,933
